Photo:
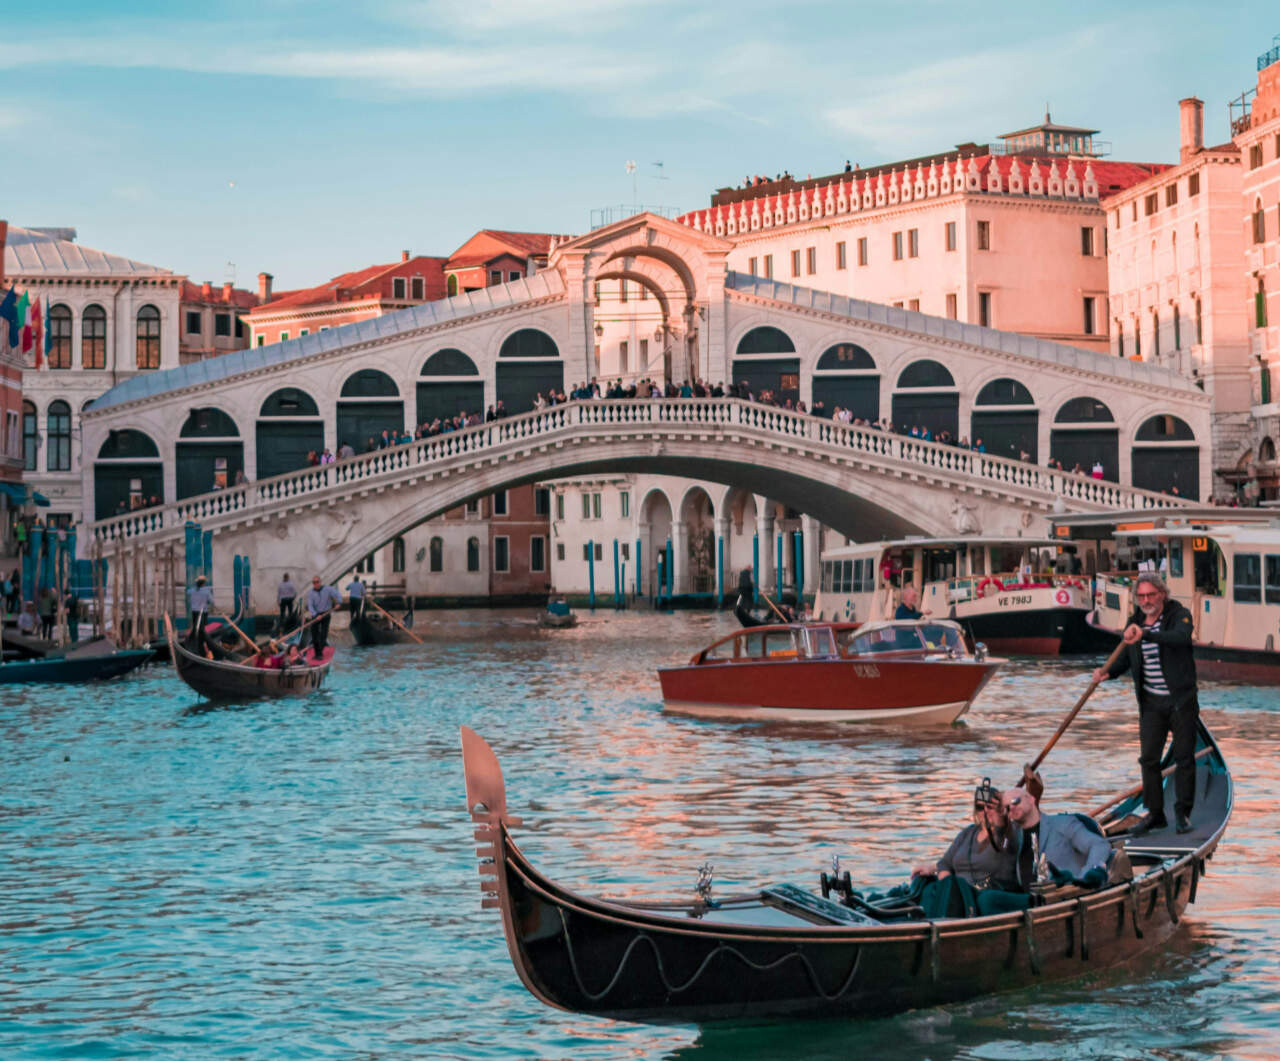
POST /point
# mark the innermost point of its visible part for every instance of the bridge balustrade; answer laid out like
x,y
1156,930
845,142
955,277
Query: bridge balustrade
x,y
630,416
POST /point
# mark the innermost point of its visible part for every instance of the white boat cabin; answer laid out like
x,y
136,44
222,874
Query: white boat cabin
x,y
864,582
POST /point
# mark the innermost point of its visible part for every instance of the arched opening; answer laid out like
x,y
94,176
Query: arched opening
x,y
845,377
528,365
1084,436
30,437
58,455
289,428
927,398
450,384
1162,459
761,364
148,338
436,555
209,453
59,336
697,513
473,554
127,474
1007,427
93,337
1267,451
655,530
451,285
369,404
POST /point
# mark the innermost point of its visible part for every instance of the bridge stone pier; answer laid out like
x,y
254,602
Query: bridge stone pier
x,y
509,341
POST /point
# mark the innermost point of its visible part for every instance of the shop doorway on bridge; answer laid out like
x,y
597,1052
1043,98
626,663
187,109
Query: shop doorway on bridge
x,y
288,429
845,377
1084,435
209,453
1008,422
927,397
1163,461
450,384
761,362
528,365
370,404
128,474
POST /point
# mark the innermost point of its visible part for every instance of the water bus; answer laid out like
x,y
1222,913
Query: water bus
x,y
1222,564
1017,595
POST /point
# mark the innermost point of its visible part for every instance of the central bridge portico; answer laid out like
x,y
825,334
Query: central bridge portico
x,y
260,408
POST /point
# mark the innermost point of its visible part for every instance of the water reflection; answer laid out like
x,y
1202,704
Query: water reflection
x,y
298,877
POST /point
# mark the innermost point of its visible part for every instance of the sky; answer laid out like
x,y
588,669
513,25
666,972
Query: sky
x,y
307,138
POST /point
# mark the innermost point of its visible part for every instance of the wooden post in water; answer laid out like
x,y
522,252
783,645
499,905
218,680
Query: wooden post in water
x,y
116,633
139,586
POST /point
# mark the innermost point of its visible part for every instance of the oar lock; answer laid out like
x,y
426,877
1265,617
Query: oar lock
x,y
840,883
703,885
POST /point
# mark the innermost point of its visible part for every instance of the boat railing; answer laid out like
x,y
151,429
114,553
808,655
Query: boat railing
x,y
972,587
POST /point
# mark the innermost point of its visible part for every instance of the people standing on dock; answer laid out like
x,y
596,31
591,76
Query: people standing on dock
x,y
321,600
27,620
355,597
287,598
48,612
1161,657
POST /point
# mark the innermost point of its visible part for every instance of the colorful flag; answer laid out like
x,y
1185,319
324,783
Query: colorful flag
x,y
48,332
8,313
37,331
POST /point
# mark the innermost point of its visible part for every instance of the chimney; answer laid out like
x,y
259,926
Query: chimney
x,y
206,291
404,256
264,287
1191,123
227,288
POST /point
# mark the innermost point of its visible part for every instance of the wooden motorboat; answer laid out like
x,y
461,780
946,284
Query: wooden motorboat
x,y
786,951
557,616
238,680
912,671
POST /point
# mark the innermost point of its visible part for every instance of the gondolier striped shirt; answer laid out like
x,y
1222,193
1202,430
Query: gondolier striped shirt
x,y
1152,675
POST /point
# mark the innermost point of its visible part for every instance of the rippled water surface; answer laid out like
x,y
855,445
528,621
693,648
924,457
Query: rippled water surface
x,y
298,879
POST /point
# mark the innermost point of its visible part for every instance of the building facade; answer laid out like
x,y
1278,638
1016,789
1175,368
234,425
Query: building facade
x,y
212,321
12,454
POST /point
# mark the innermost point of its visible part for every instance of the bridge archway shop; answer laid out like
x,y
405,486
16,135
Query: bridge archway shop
x,y
127,474
288,428
449,384
209,454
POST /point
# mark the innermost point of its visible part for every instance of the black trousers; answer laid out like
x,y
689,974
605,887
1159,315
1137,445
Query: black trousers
x,y
286,613
320,634
1157,719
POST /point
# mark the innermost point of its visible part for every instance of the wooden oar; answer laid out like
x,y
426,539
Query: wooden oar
x,y
247,639
1138,787
297,630
776,610
392,618
1030,780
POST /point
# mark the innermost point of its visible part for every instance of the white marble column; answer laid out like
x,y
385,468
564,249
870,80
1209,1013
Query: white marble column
x,y
812,530
679,556
764,534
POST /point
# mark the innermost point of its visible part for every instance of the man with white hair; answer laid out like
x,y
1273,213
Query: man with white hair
x,y
1161,657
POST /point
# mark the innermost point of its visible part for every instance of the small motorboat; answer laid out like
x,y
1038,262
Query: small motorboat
x,y
557,615
785,951
910,671
240,679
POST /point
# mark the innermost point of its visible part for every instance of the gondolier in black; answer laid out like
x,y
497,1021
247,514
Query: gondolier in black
x,y
1160,654
287,596
321,600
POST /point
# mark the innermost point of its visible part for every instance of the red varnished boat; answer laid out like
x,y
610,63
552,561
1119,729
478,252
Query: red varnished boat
x,y
905,671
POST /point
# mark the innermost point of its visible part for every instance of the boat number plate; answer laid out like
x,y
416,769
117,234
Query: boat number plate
x,y
866,670
1015,600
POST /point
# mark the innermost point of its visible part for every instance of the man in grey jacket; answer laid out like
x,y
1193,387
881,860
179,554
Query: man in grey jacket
x,y
1072,846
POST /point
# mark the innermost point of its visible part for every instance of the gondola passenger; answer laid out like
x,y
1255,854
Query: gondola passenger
x,y
1055,848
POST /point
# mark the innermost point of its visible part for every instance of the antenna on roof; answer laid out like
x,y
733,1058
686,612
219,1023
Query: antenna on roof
x,y
635,194
229,274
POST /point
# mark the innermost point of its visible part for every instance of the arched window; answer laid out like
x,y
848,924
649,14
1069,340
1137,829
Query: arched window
x,y
397,556
766,340
437,555
529,342
449,362
59,336
1199,324
926,374
289,401
1119,337
128,444
30,436
208,422
1259,222
1083,411
148,348
452,284
1165,428
473,554
1155,332
1004,392
93,337
1177,328
58,455
370,383
1267,451
845,357
1260,304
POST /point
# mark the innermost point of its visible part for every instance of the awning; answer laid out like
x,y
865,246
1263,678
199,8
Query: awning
x,y
17,495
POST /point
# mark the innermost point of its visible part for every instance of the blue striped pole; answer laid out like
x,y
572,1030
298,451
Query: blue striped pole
x,y
639,570
617,578
719,572
591,574
778,573
755,568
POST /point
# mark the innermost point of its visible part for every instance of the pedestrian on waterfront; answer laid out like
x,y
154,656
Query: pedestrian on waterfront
x,y
14,593
200,603
48,611
28,620
355,597
287,599
321,600
1160,655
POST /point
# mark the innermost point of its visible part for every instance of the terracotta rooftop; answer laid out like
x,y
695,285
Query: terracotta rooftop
x,y
358,285
217,294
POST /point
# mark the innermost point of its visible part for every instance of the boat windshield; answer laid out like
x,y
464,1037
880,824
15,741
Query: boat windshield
x,y
940,637
885,639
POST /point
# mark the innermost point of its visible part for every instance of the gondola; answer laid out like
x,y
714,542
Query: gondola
x,y
87,665
230,680
370,628
784,951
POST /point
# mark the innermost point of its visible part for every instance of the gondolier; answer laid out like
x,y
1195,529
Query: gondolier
x,y
355,597
287,596
200,600
1161,657
321,600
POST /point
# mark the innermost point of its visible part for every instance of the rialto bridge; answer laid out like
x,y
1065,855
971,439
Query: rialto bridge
x,y
169,435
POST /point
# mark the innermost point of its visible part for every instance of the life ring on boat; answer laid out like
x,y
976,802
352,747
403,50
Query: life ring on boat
x,y
994,583
1062,596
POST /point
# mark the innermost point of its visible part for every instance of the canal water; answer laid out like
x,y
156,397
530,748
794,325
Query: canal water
x,y
298,880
